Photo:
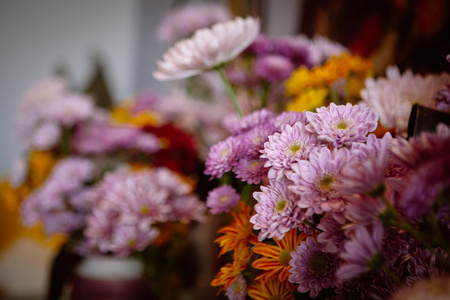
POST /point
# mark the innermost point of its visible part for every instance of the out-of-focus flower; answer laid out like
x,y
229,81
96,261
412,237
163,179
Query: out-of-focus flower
x,y
362,253
392,97
309,100
273,68
228,274
222,199
312,268
183,21
208,48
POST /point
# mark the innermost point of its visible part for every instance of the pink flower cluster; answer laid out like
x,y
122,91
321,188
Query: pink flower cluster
x,y
131,203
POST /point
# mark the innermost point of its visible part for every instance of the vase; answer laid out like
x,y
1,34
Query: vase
x,y
111,278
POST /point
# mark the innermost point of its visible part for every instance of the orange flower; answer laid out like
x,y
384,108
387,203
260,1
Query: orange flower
x,y
275,260
228,274
273,289
240,230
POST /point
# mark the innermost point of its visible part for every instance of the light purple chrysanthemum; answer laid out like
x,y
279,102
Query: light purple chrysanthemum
x,y
100,225
184,20
423,148
332,235
187,208
273,68
290,118
295,48
364,176
70,109
101,138
342,124
251,170
45,136
362,252
314,179
65,222
372,147
392,97
259,117
363,210
127,239
223,156
322,49
291,145
312,268
256,137
238,289
222,199
139,200
276,211
424,188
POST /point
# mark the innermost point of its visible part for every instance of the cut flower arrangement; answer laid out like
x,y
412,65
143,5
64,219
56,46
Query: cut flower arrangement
x,y
113,183
325,203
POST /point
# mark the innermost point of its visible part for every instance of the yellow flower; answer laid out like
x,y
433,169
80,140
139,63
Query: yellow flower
x,y
40,166
299,80
271,290
240,230
309,100
275,258
122,114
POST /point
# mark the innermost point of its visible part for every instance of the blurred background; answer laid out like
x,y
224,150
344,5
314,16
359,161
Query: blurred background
x,y
118,39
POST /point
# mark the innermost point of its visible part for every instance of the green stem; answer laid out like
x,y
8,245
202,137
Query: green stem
x,y
311,225
334,97
265,93
229,89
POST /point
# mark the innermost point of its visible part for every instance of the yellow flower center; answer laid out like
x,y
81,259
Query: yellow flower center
x,y
342,125
294,148
284,257
281,204
145,210
223,198
237,288
326,182
131,243
224,152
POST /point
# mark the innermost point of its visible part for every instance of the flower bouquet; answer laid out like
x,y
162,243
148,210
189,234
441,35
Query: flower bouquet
x,y
332,202
116,184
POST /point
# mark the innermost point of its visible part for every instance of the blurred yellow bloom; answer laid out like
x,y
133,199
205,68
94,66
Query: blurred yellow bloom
x,y
40,166
309,100
122,114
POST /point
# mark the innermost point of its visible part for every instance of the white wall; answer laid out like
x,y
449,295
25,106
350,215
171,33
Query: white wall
x,y
36,36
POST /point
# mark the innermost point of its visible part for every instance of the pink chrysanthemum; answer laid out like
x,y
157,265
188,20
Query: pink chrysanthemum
x,y
256,118
273,68
312,268
291,145
208,48
362,252
222,199
290,118
238,289
127,239
184,20
392,97
342,124
332,236
276,211
223,156
314,179
256,137
187,208
251,170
